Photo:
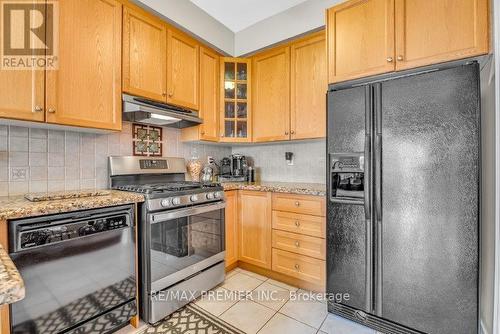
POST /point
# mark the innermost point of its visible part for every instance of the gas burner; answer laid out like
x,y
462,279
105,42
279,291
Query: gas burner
x,y
167,188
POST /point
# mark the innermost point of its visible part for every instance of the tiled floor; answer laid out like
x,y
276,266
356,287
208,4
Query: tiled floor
x,y
270,309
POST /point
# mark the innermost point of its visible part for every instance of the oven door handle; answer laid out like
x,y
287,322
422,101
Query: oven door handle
x,y
161,217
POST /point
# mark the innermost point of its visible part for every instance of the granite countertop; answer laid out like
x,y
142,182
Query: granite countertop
x,y
19,207
315,189
11,283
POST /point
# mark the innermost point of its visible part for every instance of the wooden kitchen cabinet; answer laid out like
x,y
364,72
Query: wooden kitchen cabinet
x,y
429,32
22,95
209,100
360,39
231,218
308,87
182,70
144,55
86,88
235,100
271,95
368,37
254,242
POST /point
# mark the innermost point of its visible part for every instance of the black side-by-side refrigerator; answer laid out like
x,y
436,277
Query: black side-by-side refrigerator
x,y
403,201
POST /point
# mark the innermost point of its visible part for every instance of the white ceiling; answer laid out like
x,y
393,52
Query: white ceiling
x,y
240,14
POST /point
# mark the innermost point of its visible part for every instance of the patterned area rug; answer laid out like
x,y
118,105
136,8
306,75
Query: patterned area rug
x,y
192,319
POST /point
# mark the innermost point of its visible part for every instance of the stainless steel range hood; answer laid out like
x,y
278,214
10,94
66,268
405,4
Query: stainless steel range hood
x,y
141,110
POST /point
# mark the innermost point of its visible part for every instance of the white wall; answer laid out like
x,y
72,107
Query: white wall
x,y
307,16
295,21
189,17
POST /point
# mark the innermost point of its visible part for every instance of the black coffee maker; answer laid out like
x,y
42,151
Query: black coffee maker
x,y
239,165
234,169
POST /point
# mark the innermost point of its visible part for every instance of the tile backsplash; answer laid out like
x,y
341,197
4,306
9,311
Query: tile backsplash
x,y
39,160
309,162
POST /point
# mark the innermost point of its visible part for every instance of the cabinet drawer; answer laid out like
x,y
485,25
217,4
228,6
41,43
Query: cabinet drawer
x,y
314,226
299,266
301,244
309,205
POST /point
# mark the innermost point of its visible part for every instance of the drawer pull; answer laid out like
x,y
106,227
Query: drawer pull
x,y
297,223
297,267
297,244
297,203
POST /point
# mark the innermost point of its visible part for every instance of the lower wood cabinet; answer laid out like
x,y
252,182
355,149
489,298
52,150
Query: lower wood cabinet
x,y
303,224
231,233
303,204
286,245
300,244
299,266
254,242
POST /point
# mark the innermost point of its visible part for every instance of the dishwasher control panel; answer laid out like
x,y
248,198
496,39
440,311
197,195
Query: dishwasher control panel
x,y
53,232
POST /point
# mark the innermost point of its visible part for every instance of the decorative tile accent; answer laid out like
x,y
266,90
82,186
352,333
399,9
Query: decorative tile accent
x,y
147,140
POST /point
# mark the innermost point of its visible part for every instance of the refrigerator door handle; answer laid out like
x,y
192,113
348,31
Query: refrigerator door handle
x,y
378,198
368,200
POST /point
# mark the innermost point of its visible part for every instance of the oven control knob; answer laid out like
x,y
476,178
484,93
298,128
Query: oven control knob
x,y
218,194
166,202
193,198
210,195
176,201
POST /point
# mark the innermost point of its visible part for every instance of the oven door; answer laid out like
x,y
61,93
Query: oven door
x,y
184,242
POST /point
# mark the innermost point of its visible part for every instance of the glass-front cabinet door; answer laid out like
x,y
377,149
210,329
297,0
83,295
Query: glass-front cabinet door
x,y
235,100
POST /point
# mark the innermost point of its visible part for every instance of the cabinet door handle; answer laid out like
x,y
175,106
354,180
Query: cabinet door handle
x,y
297,223
297,267
51,110
164,94
297,244
292,132
400,58
202,133
297,203
286,133
38,109
390,59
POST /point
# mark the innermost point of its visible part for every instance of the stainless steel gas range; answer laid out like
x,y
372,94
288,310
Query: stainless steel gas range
x,y
181,232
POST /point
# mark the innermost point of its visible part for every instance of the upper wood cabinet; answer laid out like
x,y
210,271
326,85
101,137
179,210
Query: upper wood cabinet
x,y
368,37
360,39
86,88
271,95
255,229
436,31
231,221
182,70
209,100
22,95
308,87
144,55
235,100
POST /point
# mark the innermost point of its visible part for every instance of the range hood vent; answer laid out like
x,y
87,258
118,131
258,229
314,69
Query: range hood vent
x,y
141,110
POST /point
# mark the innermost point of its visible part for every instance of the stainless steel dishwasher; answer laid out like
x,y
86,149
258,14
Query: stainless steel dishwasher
x,y
78,269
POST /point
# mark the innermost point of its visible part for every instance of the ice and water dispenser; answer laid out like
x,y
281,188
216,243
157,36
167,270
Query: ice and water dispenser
x,y
347,177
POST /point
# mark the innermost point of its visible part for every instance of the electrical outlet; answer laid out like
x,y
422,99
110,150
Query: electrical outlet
x,y
210,159
18,174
